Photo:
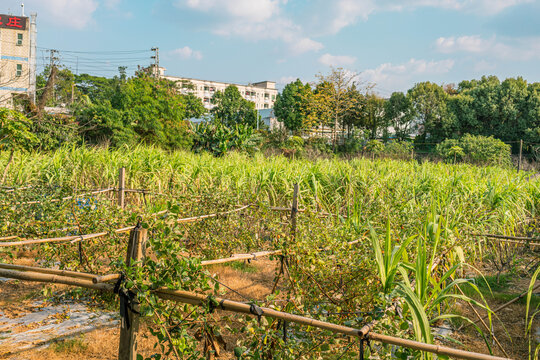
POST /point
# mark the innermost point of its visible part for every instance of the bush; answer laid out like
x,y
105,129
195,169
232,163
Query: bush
x,y
398,149
476,149
374,147
319,143
219,139
295,143
351,145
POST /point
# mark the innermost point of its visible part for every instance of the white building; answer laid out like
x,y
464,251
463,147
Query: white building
x,y
263,93
17,58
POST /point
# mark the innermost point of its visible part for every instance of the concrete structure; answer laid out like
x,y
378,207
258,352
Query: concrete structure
x,y
17,57
263,93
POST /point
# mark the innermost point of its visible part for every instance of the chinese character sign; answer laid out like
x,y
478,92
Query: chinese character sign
x,y
13,22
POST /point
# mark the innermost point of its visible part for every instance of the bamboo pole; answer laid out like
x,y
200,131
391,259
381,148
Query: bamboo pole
x,y
508,237
8,238
77,238
74,239
201,217
234,306
66,273
61,199
105,278
55,279
505,305
237,257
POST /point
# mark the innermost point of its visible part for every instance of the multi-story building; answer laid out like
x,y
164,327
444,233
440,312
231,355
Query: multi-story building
x,y
17,57
263,93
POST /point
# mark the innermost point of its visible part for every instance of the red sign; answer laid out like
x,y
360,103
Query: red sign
x,y
13,22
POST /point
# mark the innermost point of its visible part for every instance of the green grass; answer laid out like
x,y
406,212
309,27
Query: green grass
x,y
69,345
242,266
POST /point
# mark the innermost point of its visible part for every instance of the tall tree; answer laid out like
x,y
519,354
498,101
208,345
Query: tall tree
x,y
399,114
338,83
231,108
429,102
373,118
291,103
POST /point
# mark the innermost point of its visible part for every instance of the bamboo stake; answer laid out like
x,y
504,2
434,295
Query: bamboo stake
x,y
9,238
127,350
121,186
66,273
294,211
234,306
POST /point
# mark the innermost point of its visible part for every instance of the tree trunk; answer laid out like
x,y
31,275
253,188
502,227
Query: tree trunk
x,y
7,166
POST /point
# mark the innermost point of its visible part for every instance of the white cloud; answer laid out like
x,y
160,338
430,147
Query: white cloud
x,y
402,76
515,49
254,10
187,53
336,60
75,14
253,20
342,13
473,43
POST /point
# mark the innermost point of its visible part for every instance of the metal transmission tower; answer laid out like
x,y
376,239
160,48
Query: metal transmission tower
x,y
156,61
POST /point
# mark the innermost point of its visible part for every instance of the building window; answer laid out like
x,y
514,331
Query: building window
x,y
273,97
266,96
19,39
266,106
206,88
207,100
19,70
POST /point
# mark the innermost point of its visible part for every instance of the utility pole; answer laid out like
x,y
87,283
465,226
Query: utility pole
x,y
53,58
156,61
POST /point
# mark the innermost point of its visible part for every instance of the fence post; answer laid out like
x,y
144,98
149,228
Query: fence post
x,y
520,153
121,187
294,210
127,349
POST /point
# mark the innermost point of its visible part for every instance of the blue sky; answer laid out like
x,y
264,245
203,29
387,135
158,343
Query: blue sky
x,y
390,43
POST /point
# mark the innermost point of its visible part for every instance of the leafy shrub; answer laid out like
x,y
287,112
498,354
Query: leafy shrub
x,y
351,146
476,149
54,131
398,149
219,139
276,138
319,144
295,143
374,147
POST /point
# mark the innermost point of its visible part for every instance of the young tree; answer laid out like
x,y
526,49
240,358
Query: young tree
x,y
15,135
291,103
231,108
399,113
